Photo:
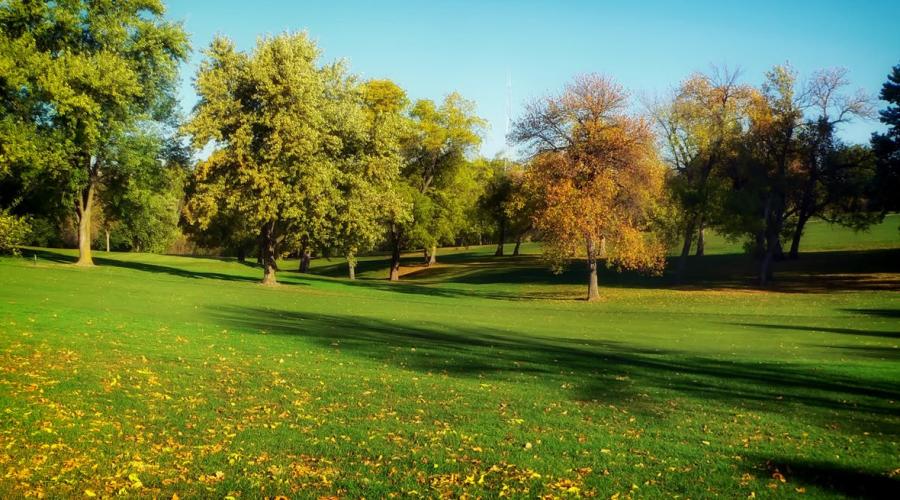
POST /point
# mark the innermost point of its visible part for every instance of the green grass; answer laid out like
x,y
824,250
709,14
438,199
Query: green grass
x,y
150,375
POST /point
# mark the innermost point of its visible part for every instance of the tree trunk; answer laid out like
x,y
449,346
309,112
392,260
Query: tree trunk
x,y
267,253
351,265
107,239
794,252
602,252
499,252
84,209
701,247
305,259
395,260
685,250
759,245
765,269
518,245
303,266
774,217
593,288
432,257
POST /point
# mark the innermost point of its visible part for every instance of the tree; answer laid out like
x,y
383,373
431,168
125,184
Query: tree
x,y
762,174
521,206
437,181
887,145
505,203
370,170
597,175
273,117
227,230
142,200
495,199
821,183
442,138
87,73
699,128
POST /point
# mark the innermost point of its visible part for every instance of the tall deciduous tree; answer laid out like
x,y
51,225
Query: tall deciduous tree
x,y
496,198
141,203
762,174
505,203
823,177
437,177
370,169
699,128
521,206
442,138
87,72
273,117
597,174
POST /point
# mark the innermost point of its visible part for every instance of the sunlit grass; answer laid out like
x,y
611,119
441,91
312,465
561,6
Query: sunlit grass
x,y
150,375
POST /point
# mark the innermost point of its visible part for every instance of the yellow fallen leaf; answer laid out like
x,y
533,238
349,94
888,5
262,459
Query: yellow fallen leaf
x,y
89,493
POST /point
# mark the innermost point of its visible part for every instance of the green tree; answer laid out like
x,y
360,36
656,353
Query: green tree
x,y
822,180
142,203
274,119
87,73
699,127
437,174
369,170
497,199
761,176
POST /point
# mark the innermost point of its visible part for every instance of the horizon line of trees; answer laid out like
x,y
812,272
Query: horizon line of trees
x,y
304,158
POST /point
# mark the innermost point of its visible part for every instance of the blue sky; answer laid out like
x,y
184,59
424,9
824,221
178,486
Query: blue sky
x,y
433,48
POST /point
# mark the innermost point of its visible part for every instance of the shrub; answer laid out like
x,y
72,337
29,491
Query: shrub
x,y
14,231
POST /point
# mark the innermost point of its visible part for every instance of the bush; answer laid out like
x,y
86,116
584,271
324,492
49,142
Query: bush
x,y
13,232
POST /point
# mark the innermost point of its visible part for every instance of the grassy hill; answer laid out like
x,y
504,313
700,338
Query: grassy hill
x,y
150,375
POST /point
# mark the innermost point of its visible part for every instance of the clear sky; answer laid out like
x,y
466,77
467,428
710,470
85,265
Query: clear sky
x,y
431,48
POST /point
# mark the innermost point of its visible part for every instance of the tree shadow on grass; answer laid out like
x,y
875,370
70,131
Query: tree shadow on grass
x,y
814,272
416,288
144,266
871,352
48,256
602,371
825,329
847,481
881,313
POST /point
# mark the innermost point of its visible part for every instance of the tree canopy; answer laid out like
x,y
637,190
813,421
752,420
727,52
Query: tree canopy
x,y
84,77
598,176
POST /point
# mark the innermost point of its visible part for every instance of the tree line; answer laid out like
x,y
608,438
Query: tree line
x,y
287,154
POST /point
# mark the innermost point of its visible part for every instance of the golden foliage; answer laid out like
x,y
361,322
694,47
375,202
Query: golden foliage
x,y
597,175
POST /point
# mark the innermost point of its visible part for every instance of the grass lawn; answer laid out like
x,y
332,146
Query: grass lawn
x,y
150,375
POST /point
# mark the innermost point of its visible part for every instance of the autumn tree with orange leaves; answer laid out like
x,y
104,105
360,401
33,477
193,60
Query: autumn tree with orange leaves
x,y
597,176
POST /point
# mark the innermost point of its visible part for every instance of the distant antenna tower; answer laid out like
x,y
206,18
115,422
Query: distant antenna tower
x,y
505,153
508,102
